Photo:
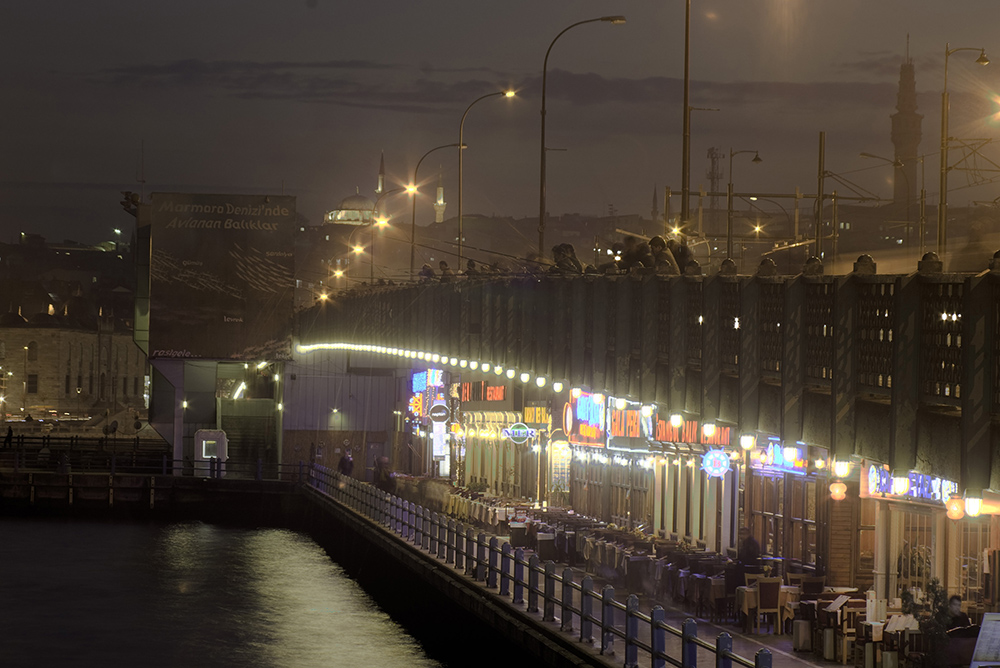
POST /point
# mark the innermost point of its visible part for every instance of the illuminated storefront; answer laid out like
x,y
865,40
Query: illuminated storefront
x,y
784,502
491,457
694,496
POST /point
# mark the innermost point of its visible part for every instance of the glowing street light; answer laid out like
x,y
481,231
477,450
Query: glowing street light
x,y
412,189
461,152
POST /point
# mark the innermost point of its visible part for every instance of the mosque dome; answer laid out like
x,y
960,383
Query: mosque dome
x,y
353,210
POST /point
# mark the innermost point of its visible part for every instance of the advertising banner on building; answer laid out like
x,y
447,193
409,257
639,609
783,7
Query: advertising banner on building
x,y
584,418
221,276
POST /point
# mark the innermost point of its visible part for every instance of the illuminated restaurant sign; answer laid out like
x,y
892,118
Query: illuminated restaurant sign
x,y
518,433
715,463
481,391
583,419
689,431
537,416
782,459
877,481
424,379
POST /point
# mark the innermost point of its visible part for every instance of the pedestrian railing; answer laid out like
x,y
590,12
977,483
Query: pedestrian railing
x,y
530,583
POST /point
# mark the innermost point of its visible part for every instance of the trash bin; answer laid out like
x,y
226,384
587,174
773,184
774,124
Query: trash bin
x,y
518,534
547,546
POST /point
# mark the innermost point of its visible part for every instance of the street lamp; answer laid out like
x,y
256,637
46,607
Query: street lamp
x,y
729,197
461,142
381,223
943,194
899,165
412,189
614,20
686,140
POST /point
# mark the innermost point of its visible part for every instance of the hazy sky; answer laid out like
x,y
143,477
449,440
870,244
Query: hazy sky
x,y
256,96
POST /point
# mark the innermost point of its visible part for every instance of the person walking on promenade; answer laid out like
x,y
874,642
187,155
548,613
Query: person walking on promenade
x,y
8,440
346,464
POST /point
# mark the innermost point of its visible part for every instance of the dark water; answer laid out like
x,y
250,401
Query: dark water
x,y
191,594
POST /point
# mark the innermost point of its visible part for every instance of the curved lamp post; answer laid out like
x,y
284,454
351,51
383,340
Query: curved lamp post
x,y
371,275
943,186
729,197
461,142
412,189
615,20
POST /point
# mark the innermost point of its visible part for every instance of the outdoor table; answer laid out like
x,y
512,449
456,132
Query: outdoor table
x,y
746,600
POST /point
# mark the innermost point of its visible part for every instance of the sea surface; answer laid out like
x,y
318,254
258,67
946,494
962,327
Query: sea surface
x,y
81,593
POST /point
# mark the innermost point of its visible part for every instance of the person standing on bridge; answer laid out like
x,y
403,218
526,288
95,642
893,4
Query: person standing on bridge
x,y
8,440
385,479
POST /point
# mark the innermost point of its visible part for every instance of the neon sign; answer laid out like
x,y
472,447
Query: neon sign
x,y
518,432
424,379
715,463
689,431
583,419
480,391
877,481
774,457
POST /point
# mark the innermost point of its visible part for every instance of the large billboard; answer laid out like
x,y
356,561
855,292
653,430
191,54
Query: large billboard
x,y
221,276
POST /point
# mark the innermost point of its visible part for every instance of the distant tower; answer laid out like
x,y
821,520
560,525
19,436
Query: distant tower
x,y
714,175
654,214
439,204
381,175
906,134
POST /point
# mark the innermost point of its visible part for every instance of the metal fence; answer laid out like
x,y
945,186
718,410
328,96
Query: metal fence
x,y
530,583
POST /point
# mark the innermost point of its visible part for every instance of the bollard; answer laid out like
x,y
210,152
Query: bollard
x,y
407,520
658,636
689,650
631,631
459,546
519,576
505,553
533,583
433,527
566,613
491,572
549,610
762,659
607,620
723,645
418,523
586,609
481,556
450,542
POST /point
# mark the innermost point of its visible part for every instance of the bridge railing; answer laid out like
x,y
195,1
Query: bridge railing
x,y
526,581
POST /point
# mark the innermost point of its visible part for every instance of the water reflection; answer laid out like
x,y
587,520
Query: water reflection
x,y
88,594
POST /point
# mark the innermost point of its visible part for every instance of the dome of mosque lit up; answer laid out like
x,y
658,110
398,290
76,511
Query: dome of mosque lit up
x,y
353,210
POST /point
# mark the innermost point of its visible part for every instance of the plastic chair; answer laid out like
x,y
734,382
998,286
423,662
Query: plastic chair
x,y
768,592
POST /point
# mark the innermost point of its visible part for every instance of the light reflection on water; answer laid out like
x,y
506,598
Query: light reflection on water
x,y
95,594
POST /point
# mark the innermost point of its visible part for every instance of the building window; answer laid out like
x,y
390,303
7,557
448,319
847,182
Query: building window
x,y
32,384
766,504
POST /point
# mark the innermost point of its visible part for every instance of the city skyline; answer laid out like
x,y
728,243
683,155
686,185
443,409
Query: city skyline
x,y
249,99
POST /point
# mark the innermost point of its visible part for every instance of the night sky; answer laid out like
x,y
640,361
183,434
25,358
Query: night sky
x,y
301,96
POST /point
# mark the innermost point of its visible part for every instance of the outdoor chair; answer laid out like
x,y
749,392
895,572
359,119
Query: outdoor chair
x,y
768,591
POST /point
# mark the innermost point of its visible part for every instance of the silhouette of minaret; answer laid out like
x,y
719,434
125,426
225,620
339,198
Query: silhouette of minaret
x,y
381,175
906,134
439,203
654,215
